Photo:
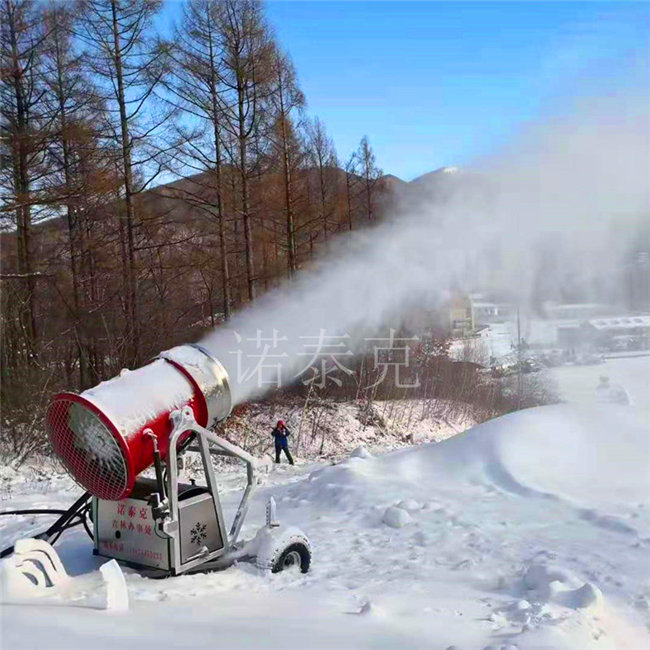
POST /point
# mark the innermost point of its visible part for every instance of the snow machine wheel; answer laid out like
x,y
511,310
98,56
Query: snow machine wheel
x,y
294,556
280,548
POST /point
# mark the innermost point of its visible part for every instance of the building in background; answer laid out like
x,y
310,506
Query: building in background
x,y
618,334
468,314
638,277
461,316
628,332
577,310
485,311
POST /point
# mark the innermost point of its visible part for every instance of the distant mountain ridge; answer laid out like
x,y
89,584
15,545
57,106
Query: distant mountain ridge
x,y
396,181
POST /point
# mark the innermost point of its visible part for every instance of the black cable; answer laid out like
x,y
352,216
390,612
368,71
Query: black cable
x,y
79,517
38,511
34,511
73,516
86,526
82,516
73,512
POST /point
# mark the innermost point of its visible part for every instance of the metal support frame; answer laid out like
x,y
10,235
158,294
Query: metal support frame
x,y
183,421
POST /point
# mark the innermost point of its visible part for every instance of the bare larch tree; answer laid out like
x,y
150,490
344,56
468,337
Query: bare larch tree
x,y
129,65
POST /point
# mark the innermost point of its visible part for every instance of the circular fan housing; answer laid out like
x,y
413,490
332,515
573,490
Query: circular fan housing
x,y
102,436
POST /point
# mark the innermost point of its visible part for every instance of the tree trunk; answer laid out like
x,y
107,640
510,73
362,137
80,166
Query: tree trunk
x,y
290,229
348,191
71,214
323,198
245,198
225,271
368,198
133,333
22,190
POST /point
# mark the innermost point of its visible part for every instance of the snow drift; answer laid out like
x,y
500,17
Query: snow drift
x,y
592,457
544,513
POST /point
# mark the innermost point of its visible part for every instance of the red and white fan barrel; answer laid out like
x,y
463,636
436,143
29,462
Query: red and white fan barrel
x,y
102,435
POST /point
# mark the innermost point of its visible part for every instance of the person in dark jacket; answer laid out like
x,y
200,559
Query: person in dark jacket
x,y
280,434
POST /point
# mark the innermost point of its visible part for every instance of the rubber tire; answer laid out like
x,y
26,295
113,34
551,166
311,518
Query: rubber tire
x,y
301,549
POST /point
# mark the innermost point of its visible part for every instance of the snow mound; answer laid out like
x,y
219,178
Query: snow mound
x,y
595,457
548,583
411,505
396,517
360,452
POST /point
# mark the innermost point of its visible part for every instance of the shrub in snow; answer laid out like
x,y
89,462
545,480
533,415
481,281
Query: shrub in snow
x,y
360,452
396,517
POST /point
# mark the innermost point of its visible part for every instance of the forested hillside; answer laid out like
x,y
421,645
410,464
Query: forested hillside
x,y
152,185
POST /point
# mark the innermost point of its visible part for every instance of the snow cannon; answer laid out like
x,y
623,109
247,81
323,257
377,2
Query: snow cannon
x,y
124,440
106,436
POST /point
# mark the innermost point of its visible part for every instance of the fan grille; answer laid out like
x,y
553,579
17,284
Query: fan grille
x,y
87,448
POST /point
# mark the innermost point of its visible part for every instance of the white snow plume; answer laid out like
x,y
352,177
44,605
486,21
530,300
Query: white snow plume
x,y
576,182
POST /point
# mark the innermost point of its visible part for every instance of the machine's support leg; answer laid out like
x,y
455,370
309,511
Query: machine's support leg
x,y
212,482
183,421
241,514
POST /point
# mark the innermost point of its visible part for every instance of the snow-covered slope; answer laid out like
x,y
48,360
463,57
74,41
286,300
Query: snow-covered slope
x,y
578,383
530,531
332,430
596,458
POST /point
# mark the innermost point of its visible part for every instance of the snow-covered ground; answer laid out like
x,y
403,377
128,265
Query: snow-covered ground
x,y
531,531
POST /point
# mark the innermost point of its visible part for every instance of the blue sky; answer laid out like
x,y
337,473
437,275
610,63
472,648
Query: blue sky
x,y
438,83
